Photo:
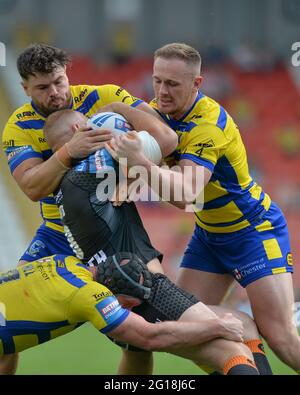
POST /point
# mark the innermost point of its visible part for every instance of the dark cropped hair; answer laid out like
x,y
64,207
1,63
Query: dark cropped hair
x,y
41,58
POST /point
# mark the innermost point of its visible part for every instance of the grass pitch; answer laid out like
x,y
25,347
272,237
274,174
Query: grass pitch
x,y
85,351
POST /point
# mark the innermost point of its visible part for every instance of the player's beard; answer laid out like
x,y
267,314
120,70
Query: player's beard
x,y
65,104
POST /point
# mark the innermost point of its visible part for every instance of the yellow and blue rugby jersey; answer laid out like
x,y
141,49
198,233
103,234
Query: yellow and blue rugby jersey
x,y
50,297
209,137
23,136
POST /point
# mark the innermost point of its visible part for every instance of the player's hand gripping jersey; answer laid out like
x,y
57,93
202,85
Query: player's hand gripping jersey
x,y
50,297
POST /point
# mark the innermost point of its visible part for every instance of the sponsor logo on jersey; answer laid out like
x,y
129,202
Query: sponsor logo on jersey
x,y
237,274
119,91
196,116
17,151
28,269
108,308
26,114
79,98
248,269
35,248
8,143
102,295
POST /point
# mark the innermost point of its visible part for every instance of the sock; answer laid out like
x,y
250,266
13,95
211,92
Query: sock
x,y
240,365
260,359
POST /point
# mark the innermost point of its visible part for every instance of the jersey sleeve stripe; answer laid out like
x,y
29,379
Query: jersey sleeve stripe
x,y
15,162
88,102
222,120
35,124
137,102
199,161
116,323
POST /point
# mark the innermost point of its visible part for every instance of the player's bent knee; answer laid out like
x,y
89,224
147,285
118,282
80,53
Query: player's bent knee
x,y
250,328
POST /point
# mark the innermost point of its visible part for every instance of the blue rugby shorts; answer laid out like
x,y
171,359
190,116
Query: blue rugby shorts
x,y
47,242
260,250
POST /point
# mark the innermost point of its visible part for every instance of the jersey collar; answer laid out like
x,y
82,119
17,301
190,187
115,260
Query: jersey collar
x,y
199,97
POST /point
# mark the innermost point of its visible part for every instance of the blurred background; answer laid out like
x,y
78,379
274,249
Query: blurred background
x,y
246,47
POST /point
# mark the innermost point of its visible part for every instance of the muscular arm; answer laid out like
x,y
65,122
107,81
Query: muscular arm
x,y
166,336
144,117
38,178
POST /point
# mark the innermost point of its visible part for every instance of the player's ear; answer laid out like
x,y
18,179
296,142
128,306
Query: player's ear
x,y
75,127
198,81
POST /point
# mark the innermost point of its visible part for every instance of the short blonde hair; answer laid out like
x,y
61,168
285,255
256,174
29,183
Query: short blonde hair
x,y
180,51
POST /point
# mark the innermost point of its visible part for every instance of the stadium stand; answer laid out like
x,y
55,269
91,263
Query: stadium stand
x,y
19,216
13,239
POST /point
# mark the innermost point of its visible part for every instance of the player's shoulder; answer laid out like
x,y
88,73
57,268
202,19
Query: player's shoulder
x,y
23,113
206,110
110,90
210,117
84,90
96,93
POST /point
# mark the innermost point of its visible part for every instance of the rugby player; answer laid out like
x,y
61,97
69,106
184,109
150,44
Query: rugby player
x,y
240,233
36,171
96,229
52,296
